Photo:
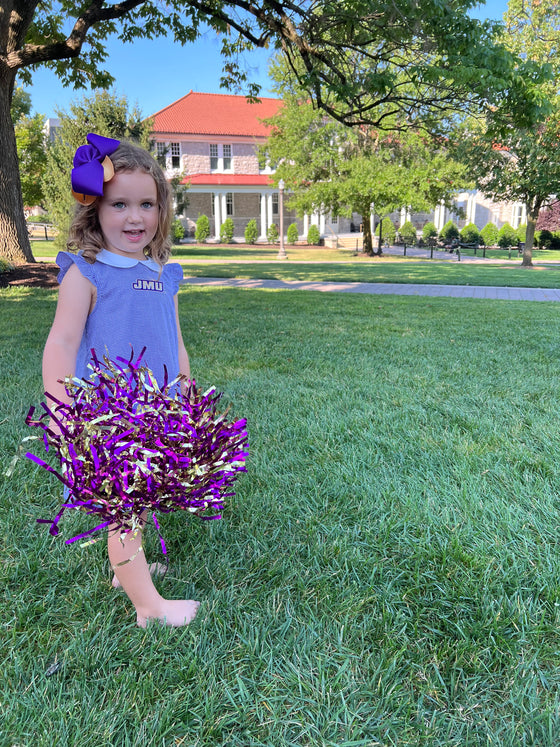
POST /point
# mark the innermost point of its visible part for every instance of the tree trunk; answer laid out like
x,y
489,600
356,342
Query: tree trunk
x,y
532,217
368,240
14,239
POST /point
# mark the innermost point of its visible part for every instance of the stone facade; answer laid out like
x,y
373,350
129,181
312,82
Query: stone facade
x,y
232,184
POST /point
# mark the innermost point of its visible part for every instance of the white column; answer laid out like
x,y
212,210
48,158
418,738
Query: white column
x,y
402,219
305,224
439,216
217,220
223,215
322,224
471,208
263,215
372,223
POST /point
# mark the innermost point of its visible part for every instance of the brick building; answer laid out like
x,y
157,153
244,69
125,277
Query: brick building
x,y
210,141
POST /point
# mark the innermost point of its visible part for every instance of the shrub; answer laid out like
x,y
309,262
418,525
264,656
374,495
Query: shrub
x,y
408,232
489,235
251,232
313,236
202,231
272,233
521,231
507,236
45,218
470,234
292,234
226,231
545,239
555,243
5,266
177,231
449,232
429,231
388,230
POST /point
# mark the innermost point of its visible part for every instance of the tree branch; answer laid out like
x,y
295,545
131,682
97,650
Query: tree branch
x,y
31,54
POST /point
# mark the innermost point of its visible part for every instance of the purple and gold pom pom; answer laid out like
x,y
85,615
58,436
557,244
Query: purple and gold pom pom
x,y
126,446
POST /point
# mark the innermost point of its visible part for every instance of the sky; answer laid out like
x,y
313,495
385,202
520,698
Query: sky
x,y
154,73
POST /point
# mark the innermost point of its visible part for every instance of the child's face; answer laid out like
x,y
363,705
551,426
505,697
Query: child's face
x,y
128,213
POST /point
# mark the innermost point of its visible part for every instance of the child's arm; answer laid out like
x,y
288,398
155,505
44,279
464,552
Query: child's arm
x,y
184,365
75,300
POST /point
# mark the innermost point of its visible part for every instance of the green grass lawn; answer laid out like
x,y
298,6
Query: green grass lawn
x,y
338,265
387,574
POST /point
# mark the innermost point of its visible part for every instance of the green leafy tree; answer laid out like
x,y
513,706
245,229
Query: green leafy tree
x,y
360,63
272,233
521,163
329,167
489,235
104,113
180,194
30,141
20,105
32,157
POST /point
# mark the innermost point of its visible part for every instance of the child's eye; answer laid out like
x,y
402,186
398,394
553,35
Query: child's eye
x,y
118,204
148,204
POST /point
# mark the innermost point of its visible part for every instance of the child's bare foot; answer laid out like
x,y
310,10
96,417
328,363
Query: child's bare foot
x,y
156,569
173,612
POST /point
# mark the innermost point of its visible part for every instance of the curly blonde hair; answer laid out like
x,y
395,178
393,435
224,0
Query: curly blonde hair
x,y
85,233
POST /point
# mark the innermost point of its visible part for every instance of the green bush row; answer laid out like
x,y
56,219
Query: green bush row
x,y
202,232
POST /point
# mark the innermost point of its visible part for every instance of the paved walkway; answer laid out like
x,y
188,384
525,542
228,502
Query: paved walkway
x,y
401,289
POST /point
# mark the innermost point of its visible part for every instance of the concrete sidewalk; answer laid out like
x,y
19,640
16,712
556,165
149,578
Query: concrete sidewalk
x,y
400,289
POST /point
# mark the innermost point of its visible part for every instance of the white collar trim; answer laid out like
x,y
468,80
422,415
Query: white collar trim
x,y
118,260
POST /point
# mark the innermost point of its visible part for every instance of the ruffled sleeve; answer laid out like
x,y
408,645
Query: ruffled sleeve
x,y
174,274
65,260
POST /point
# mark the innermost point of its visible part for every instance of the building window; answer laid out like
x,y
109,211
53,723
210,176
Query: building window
x,y
275,203
220,157
517,214
175,155
229,203
227,157
213,157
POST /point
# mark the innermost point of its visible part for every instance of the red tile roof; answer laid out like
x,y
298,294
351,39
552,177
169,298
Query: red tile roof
x,y
215,114
239,180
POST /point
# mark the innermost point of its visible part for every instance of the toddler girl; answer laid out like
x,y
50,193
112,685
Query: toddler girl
x,y
117,294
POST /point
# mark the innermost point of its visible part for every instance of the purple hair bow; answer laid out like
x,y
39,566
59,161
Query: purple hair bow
x,y
92,167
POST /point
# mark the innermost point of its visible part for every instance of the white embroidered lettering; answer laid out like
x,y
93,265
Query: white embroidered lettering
x,y
149,285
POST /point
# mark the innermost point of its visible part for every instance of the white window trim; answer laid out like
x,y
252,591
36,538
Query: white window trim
x,y
220,169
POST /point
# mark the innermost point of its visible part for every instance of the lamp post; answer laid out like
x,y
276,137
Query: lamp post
x,y
282,251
